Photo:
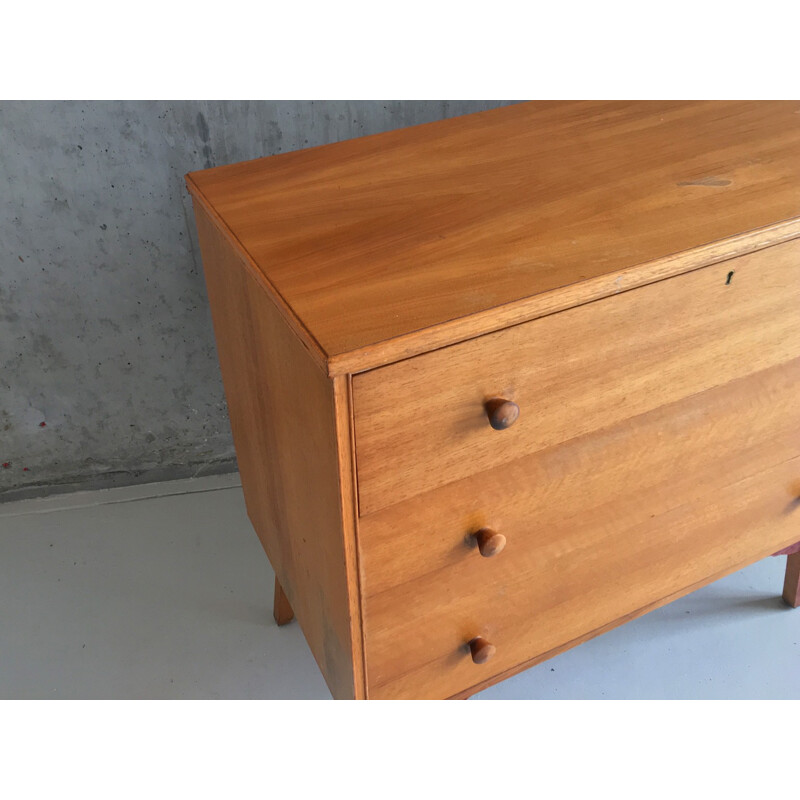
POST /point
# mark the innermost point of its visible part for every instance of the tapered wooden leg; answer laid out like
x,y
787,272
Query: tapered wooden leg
x,y
791,586
281,609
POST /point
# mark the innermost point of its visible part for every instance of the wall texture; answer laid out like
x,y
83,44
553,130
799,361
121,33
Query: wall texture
x,y
108,370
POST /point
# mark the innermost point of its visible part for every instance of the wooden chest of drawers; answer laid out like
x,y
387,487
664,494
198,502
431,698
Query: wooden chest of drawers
x,y
500,383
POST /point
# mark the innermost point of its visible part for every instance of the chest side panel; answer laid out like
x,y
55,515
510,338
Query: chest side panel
x,y
287,421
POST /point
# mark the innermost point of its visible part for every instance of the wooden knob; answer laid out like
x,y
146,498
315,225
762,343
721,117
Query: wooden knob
x,y
502,413
481,650
490,542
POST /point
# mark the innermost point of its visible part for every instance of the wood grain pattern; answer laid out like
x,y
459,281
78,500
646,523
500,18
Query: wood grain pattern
x,y
573,372
547,605
791,584
670,453
585,637
551,302
637,512
293,462
447,230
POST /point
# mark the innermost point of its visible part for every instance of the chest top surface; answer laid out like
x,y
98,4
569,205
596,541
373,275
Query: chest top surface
x,y
381,247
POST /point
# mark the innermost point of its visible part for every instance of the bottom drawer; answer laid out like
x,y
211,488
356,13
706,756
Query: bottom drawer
x,y
599,529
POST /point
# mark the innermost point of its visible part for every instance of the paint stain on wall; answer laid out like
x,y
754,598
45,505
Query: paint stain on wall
x,y
205,136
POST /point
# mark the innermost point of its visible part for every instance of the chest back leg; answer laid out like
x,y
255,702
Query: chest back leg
x,y
791,585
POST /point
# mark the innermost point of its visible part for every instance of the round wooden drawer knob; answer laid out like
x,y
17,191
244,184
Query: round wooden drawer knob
x,y
481,650
490,542
502,413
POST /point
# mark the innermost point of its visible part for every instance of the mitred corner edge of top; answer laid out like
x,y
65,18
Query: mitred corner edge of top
x,y
308,340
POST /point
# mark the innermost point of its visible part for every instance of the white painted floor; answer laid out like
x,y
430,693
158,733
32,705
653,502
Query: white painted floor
x,y
122,594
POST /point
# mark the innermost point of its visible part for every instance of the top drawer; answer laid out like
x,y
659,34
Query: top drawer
x,y
422,423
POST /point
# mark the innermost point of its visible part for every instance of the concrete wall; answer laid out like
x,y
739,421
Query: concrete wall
x,y
108,370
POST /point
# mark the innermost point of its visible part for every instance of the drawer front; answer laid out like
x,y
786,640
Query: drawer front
x,y
596,529
422,423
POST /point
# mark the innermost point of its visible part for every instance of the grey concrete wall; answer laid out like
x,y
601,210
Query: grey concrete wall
x,y
108,370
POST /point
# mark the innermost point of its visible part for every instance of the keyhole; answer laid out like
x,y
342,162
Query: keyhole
x,y
730,278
